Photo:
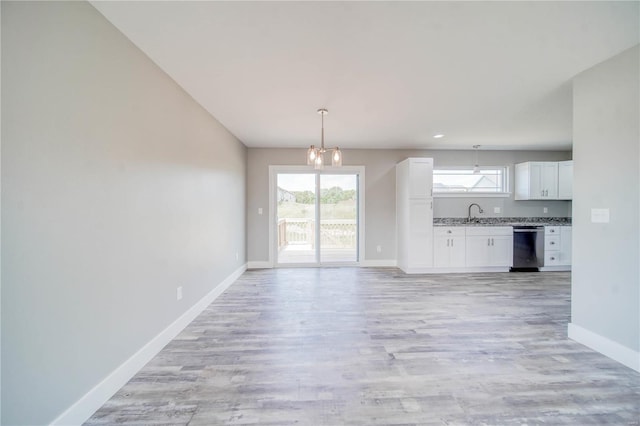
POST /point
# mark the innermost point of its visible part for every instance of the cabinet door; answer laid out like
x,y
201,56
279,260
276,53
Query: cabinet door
x,y
457,254
477,250
536,190
441,252
501,251
420,244
565,180
550,180
420,178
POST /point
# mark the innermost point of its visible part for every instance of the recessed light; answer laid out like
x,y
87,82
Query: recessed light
x,y
438,136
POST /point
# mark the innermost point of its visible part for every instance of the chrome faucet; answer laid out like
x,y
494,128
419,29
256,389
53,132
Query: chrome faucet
x,y
479,210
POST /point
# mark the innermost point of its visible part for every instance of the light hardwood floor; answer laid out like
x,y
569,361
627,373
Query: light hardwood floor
x,y
364,346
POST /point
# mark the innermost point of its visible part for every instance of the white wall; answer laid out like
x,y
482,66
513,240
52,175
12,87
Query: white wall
x,y
116,188
380,213
606,256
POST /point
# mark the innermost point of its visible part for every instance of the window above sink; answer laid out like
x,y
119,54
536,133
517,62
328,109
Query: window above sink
x,y
486,181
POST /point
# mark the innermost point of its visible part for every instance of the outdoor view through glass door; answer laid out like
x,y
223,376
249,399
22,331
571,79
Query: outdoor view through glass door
x,y
302,199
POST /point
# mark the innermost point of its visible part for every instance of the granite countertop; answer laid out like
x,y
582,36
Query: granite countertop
x,y
502,221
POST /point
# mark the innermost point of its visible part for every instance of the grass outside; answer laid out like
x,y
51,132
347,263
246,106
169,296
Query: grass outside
x,y
342,210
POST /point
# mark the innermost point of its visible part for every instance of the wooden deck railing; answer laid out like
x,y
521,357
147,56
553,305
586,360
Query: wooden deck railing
x,y
334,233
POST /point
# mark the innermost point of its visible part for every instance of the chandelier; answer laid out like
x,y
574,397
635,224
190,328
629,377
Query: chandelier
x,y
315,155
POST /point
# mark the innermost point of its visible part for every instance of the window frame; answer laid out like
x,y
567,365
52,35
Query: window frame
x,y
506,189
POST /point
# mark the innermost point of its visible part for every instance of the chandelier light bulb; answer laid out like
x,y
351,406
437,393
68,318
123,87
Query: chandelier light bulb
x,y
311,155
336,158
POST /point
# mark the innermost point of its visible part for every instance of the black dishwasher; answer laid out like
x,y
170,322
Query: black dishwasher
x,y
528,248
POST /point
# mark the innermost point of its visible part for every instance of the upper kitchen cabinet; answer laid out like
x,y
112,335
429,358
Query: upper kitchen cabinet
x,y
565,180
540,180
419,177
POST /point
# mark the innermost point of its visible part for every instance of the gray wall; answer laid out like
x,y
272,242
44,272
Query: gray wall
x,y
606,280
380,214
116,188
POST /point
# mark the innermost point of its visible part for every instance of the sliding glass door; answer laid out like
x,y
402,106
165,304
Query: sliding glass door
x,y
338,218
316,218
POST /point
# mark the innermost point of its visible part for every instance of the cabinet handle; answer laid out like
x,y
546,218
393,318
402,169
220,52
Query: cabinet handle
x,y
492,241
553,243
542,193
447,242
553,258
551,231
452,242
488,241
449,231
546,192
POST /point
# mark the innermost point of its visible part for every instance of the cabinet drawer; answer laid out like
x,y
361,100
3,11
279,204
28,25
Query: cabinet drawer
x,y
551,242
551,258
489,230
552,230
448,231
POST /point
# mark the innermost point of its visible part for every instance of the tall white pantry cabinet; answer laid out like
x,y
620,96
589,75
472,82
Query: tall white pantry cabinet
x,y
414,214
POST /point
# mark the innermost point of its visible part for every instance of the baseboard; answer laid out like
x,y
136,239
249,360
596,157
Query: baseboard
x,y
259,264
84,408
378,263
609,348
460,270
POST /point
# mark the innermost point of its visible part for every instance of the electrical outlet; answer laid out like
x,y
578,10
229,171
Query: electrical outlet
x,y
379,249
545,210
179,293
496,209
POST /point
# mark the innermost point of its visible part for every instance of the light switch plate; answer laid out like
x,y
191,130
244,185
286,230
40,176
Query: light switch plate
x,y
600,215
259,210
496,209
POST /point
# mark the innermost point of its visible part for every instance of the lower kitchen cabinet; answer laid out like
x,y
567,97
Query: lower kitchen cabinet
x,y
449,247
489,246
565,245
557,247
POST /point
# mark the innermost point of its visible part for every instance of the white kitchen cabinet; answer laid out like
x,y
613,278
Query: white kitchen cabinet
x,y
414,214
557,247
565,180
536,180
565,245
420,238
501,253
449,247
420,177
489,246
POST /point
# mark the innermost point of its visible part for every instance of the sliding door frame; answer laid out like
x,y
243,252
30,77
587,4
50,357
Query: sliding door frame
x,y
329,170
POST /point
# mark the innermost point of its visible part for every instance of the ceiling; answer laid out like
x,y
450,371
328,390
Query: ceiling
x,y
391,74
